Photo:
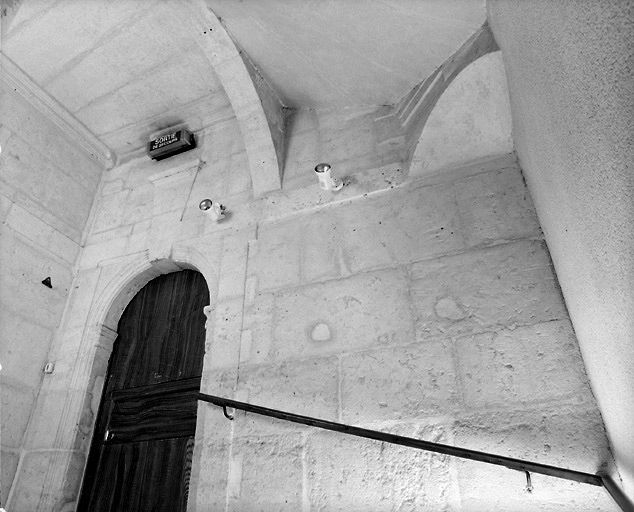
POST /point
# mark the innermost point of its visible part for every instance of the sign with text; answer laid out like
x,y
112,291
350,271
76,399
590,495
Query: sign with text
x,y
171,143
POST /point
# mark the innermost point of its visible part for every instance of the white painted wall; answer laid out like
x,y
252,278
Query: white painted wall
x,y
571,82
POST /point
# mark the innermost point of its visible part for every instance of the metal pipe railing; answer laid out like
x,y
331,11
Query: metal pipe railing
x,y
601,480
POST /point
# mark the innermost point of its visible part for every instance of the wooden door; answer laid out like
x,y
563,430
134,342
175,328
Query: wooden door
x,y
142,445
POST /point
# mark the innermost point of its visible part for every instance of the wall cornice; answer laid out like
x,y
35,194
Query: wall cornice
x,y
13,76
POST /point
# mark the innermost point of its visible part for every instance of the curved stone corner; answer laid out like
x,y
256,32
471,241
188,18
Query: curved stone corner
x,y
471,120
260,114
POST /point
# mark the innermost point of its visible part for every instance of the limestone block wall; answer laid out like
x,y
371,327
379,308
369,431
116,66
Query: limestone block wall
x,y
429,310
471,120
422,306
570,73
350,139
47,185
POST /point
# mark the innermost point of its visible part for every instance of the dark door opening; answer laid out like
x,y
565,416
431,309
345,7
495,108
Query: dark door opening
x,y
142,446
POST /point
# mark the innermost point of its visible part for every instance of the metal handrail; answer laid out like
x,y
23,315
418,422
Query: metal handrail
x,y
601,479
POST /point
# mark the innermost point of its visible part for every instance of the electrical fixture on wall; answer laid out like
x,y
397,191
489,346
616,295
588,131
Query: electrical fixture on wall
x,y
326,181
215,210
171,142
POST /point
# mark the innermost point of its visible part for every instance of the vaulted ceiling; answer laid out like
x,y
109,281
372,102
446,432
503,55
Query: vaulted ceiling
x,y
127,68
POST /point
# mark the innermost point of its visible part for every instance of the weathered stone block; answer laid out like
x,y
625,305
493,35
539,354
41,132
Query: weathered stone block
x,y
38,485
18,162
139,204
81,296
64,355
68,199
23,269
110,211
42,235
111,234
506,285
62,194
401,227
44,136
360,311
345,138
138,239
413,381
255,463
528,364
484,487
5,207
307,387
24,348
347,473
208,484
219,383
171,188
17,402
275,258
233,266
238,177
323,252
93,254
259,320
47,415
565,435
227,323
301,157
9,465
40,210
111,185
496,206
167,228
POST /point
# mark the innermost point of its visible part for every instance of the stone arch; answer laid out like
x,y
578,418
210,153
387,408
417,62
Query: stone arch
x,y
100,334
257,107
469,122
120,290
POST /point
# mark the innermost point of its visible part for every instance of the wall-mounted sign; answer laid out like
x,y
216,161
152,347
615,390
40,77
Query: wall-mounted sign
x,y
170,144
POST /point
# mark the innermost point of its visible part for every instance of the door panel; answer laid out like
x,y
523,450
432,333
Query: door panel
x,y
161,333
141,449
159,411
129,474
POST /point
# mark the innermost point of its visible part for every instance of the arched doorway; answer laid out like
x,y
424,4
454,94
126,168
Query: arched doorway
x,y
141,451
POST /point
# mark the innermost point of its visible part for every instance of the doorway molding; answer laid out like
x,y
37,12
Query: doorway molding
x,y
64,474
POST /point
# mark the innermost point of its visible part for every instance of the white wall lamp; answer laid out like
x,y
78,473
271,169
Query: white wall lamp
x,y
326,181
215,210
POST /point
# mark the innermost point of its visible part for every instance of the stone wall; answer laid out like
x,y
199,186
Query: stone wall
x,y
47,186
424,306
429,310
571,82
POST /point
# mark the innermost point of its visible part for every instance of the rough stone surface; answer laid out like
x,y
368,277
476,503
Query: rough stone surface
x,y
569,69
426,383
505,285
277,457
529,434
363,310
347,473
496,206
472,119
308,387
521,365
17,401
9,465
420,305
